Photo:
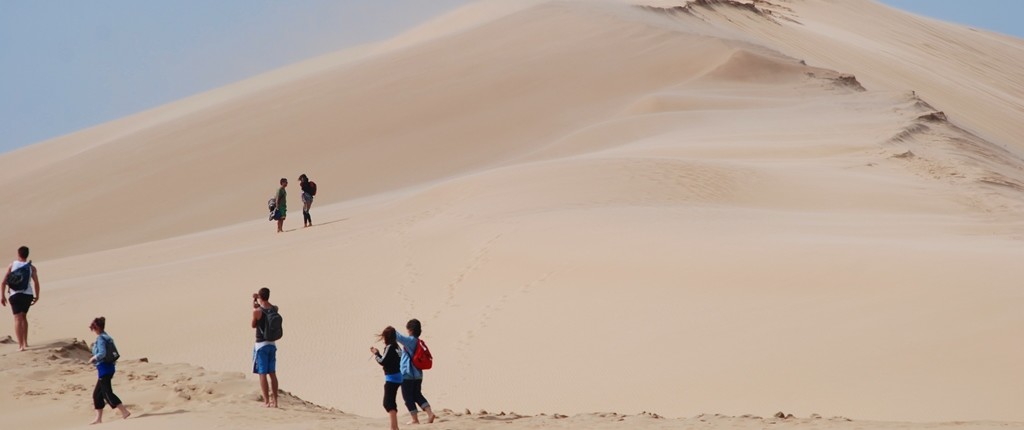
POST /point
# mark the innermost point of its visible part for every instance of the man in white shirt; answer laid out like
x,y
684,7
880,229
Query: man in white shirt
x,y
22,295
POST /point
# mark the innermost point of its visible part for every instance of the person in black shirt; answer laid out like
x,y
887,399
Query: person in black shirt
x,y
308,191
390,360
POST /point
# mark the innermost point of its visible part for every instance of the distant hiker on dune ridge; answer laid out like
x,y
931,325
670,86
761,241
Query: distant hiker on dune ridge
x,y
104,355
21,287
281,205
308,191
391,362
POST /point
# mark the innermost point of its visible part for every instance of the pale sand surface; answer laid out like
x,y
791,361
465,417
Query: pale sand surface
x,y
51,387
592,206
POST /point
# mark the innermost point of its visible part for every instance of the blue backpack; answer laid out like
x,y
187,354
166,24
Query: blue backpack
x,y
18,279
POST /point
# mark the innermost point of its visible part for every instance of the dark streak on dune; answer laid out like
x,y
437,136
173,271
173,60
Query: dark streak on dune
x,y
838,81
849,81
980,161
765,10
1002,182
909,132
937,116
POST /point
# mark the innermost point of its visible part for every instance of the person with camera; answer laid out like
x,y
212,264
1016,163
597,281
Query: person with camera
x,y
267,323
391,362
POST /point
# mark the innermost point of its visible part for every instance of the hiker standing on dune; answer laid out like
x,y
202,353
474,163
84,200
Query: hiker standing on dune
x,y
281,208
390,360
412,376
21,287
308,191
267,323
104,355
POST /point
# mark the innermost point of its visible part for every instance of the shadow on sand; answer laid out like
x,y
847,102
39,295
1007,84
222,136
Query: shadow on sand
x,y
158,414
316,225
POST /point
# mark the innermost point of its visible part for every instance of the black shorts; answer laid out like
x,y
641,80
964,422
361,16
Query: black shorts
x,y
391,396
20,303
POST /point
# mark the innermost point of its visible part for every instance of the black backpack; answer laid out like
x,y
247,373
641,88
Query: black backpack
x,y
112,354
18,279
312,188
272,324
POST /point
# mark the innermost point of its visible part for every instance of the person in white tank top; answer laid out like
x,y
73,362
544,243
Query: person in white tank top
x,y
21,300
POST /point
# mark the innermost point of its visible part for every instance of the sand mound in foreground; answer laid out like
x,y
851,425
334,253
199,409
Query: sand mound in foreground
x,y
50,386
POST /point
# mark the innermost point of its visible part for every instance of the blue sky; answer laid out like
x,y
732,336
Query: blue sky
x,y
66,65
1003,16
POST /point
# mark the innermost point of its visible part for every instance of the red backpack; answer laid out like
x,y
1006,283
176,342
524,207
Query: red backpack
x,y
422,358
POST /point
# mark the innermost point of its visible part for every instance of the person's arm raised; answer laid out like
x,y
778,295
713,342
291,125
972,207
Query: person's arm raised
x,y
256,315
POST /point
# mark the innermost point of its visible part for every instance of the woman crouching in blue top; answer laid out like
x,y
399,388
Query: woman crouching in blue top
x,y
105,367
391,363
412,378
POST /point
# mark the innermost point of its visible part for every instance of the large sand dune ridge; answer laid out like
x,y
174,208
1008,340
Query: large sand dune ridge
x,y
668,206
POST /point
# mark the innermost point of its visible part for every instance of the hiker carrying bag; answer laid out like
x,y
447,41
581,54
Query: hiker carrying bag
x,y
111,355
18,279
422,359
272,206
273,329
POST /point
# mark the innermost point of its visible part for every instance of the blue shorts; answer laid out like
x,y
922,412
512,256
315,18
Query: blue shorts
x,y
264,360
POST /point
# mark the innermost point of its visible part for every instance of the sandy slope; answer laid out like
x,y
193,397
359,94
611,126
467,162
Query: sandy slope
x,y
592,206
53,390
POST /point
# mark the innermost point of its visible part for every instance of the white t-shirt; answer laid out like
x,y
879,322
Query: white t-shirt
x,y
31,285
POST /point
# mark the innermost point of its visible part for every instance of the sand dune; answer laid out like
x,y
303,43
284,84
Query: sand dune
x,y
623,206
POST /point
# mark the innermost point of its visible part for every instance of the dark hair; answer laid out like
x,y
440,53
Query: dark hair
x,y
414,326
23,252
303,178
265,293
99,322
284,181
388,335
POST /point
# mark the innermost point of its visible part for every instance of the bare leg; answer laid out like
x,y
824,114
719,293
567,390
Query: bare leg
x,y
99,416
24,329
430,414
273,390
414,417
21,330
265,389
124,411
393,417
280,225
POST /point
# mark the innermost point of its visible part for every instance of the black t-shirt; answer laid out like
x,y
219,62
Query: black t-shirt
x,y
391,361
